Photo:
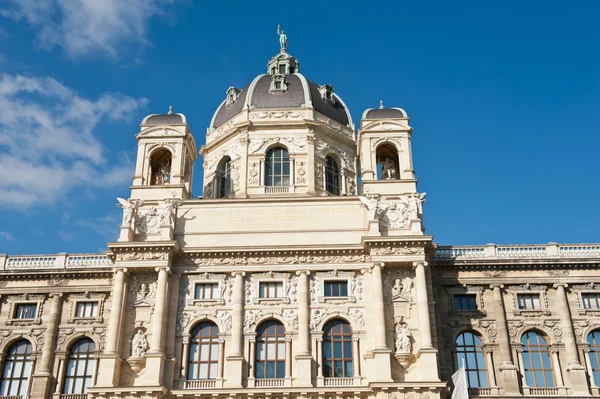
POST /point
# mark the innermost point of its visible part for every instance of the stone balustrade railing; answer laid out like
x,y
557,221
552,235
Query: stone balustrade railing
x,y
58,261
493,251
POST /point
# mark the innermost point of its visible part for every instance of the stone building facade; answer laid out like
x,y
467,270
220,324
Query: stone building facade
x,y
304,272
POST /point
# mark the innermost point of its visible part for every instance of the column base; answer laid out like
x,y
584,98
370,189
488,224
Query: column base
x,y
373,228
304,367
578,379
234,366
510,377
109,370
382,364
153,371
41,385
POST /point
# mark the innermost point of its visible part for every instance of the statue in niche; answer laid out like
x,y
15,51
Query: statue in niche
x,y
283,40
143,292
403,335
139,344
397,288
406,286
129,207
388,169
163,175
415,206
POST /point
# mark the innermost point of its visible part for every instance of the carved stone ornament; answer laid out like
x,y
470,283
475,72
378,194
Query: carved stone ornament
x,y
324,149
250,317
402,338
396,140
290,316
358,287
182,321
558,273
142,290
148,221
270,259
225,319
145,255
345,130
494,273
294,144
316,316
139,344
358,318
391,250
276,115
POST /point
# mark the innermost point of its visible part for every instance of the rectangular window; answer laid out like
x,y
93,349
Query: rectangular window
x,y
25,311
277,85
465,302
282,69
206,291
528,301
591,301
336,288
86,309
273,289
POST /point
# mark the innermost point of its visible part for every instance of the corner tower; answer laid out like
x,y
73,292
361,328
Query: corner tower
x,y
165,158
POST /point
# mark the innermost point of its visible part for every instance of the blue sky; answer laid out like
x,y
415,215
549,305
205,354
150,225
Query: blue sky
x,y
504,98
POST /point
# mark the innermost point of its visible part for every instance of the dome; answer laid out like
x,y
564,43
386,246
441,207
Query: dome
x,y
164,119
282,87
384,113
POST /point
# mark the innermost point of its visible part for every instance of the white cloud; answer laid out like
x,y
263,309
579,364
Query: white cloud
x,y
88,27
6,236
47,140
106,226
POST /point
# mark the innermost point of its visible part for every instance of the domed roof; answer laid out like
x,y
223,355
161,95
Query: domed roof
x,y
384,113
282,87
164,119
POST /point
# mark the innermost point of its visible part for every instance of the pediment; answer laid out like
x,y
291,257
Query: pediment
x,y
386,126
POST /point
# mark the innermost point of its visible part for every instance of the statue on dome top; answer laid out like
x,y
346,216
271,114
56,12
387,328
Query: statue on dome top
x,y
283,40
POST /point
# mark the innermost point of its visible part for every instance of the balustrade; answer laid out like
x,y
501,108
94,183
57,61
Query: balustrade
x,y
492,251
59,261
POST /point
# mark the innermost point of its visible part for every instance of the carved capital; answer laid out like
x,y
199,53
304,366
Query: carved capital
x,y
233,274
299,272
55,295
496,285
165,268
557,286
420,263
121,270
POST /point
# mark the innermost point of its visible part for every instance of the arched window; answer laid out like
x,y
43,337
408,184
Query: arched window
x,y
593,340
387,162
277,167
17,369
337,349
536,361
224,178
332,176
160,163
469,351
204,352
270,350
80,367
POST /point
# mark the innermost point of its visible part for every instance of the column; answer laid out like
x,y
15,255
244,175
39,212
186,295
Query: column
x,y
116,309
521,367
303,314
379,315
158,316
422,304
221,358
237,320
588,363
320,377
171,370
234,364
288,361
489,362
185,356
292,172
577,378
507,368
310,162
356,357
261,177
343,186
61,374
251,362
50,340
557,371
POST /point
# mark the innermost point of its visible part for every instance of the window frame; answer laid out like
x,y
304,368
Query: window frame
x,y
215,293
461,297
277,285
588,289
207,342
19,305
90,365
528,289
26,299
338,281
478,358
75,299
532,370
204,278
346,339
278,342
594,356
332,174
271,162
224,179
85,302
451,292
24,382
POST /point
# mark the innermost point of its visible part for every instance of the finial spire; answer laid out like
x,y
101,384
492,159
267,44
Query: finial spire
x,y
380,104
283,40
170,110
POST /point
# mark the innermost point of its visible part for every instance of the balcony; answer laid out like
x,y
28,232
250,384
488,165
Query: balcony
x,y
339,382
73,396
12,397
483,392
543,391
269,383
277,189
200,384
